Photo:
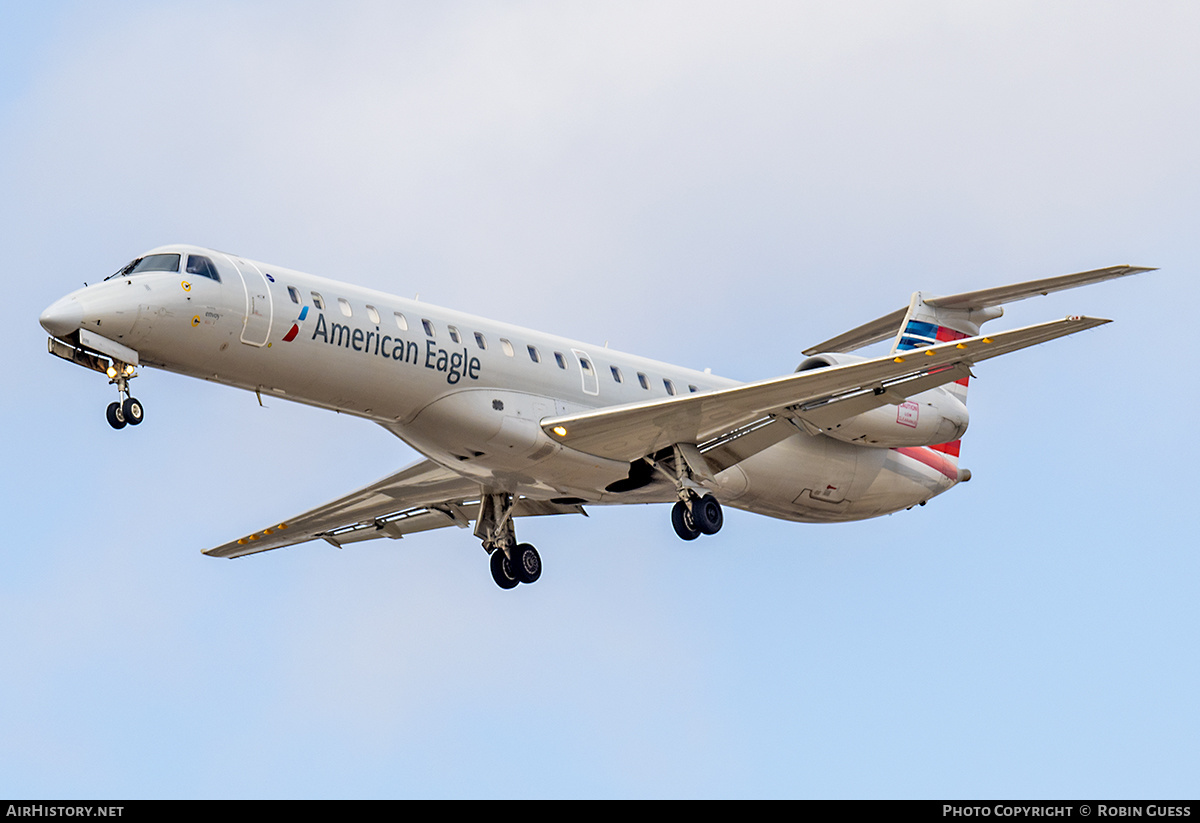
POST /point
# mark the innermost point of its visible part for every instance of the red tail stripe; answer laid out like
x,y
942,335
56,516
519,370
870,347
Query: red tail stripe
x,y
950,448
931,459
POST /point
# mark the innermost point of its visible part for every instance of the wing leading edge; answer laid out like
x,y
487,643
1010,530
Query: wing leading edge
x,y
630,432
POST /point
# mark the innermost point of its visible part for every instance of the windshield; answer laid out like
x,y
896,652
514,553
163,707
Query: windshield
x,y
151,262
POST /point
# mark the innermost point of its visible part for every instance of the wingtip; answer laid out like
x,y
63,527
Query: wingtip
x,y
1088,320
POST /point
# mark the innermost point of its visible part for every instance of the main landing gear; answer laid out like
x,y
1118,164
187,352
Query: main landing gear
x,y
511,562
524,567
128,410
697,511
696,516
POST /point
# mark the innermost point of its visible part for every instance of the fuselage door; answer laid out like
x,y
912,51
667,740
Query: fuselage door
x,y
256,326
587,368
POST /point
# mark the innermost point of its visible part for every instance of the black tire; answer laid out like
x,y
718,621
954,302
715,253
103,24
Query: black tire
x,y
132,410
116,418
682,520
502,571
528,563
707,514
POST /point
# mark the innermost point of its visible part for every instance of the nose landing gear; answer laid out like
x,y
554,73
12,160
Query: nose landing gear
x,y
128,411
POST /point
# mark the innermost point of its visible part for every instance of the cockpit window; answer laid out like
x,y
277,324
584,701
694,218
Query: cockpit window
x,y
198,264
151,262
156,262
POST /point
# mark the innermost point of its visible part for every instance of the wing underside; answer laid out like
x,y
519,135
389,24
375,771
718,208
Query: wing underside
x,y
418,498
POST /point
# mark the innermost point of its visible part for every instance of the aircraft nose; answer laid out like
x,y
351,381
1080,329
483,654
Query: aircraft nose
x,y
62,317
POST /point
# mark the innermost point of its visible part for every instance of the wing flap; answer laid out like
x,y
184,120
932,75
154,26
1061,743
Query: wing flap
x,y
632,431
827,413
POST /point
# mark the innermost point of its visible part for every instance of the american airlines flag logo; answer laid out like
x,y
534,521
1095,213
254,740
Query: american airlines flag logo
x,y
295,329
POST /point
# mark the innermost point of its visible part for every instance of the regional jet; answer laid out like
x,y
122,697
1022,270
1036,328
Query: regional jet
x,y
516,423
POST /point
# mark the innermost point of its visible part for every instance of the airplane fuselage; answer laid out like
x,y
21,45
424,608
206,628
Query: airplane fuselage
x,y
469,393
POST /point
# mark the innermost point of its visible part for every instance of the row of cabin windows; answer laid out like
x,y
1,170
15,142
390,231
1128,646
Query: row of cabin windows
x,y
481,341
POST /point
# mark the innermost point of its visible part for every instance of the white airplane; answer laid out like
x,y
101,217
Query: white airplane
x,y
514,422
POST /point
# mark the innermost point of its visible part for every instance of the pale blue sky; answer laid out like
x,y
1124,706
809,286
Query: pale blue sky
x,y
718,185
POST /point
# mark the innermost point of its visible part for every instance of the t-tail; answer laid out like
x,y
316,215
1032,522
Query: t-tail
x,y
930,320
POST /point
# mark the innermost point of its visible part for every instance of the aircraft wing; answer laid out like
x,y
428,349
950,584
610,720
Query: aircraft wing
x,y
631,431
418,498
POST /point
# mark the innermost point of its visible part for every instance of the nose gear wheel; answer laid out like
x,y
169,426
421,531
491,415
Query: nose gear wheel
x,y
129,410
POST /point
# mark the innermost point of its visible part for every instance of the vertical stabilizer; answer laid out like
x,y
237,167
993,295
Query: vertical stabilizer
x,y
925,325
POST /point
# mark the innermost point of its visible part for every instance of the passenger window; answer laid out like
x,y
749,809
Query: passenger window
x,y
533,354
373,314
454,335
586,365
318,301
508,347
480,341
401,322
428,328
560,360
344,306
669,386
642,379
295,295
201,265
616,373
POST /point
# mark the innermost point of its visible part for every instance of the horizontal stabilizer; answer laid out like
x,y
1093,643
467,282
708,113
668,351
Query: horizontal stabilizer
x,y
974,300
887,326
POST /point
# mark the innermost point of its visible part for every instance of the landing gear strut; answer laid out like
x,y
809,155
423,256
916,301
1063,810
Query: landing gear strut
x,y
511,562
127,411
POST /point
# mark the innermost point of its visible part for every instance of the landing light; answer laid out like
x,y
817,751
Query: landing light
x,y
111,372
560,431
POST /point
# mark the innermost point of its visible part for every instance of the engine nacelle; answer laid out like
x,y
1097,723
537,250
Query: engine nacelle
x,y
833,358
925,419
